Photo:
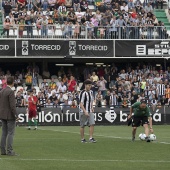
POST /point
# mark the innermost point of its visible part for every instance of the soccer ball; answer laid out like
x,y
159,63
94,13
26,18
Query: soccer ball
x,y
142,136
152,137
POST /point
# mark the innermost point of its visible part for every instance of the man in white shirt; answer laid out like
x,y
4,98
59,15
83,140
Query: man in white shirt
x,y
62,87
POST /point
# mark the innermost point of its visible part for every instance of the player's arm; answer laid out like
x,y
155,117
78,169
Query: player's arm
x,y
131,111
84,110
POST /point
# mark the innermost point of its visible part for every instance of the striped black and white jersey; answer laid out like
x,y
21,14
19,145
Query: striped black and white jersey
x,y
161,89
86,98
150,81
113,100
146,91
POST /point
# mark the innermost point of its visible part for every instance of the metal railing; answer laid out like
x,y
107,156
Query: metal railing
x,y
59,31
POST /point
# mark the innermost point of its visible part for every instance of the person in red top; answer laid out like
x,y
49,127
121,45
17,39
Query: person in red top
x,y
134,14
71,84
21,4
32,110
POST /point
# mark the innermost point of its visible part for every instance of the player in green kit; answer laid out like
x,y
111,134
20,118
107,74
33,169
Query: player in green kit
x,y
141,115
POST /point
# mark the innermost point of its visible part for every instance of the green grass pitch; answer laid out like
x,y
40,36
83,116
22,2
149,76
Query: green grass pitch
x,y
59,148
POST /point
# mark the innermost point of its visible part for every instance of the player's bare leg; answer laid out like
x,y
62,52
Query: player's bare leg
x,y
133,133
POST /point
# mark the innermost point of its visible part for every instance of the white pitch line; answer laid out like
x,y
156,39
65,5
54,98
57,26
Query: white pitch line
x,y
83,160
115,137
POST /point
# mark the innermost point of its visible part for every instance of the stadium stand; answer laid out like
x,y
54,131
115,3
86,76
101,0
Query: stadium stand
x,y
138,14
111,86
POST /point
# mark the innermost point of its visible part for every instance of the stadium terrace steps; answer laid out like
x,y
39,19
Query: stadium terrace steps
x,y
161,16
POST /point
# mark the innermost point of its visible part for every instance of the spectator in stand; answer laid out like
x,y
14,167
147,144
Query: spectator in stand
x,y
72,16
124,7
102,86
51,4
62,8
6,25
52,84
42,100
98,16
21,4
63,16
153,103
77,30
71,84
167,92
73,105
68,4
130,4
60,98
44,4
83,5
76,5
49,104
107,99
79,15
44,26
28,80
62,87
21,28
163,101
19,99
56,16
121,23
95,22
148,8
29,26
101,30
157,78
102,8
160,91
7,8
94,77
65,29
157,2
53,97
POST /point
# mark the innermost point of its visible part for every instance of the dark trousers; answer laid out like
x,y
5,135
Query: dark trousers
x,y
5,30
8,129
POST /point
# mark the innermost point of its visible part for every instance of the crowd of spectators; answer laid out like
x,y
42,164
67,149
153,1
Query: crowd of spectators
x,y
111,86
110,19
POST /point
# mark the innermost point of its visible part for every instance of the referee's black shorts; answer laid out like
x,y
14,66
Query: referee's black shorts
x,y
137,121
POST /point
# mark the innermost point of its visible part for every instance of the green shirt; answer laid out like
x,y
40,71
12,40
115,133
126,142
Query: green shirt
x,y
140,112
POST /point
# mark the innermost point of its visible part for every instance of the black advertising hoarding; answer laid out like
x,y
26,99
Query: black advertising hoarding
x,y
47,116
41,48
103,116
91,48
7,48
142,48
74,48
